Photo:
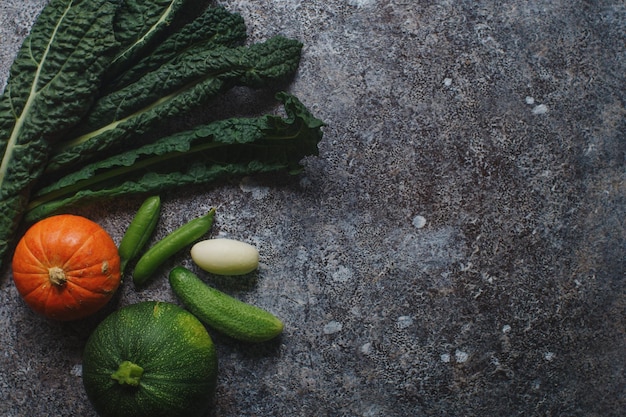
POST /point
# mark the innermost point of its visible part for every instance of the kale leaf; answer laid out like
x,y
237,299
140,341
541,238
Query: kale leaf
x,y
194,77
51,86
215,26
203,154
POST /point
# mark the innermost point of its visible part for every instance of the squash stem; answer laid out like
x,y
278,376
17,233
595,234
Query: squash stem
x,y
128,373
57,276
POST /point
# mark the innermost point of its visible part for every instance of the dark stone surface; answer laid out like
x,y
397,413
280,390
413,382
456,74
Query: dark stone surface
x,y
458,247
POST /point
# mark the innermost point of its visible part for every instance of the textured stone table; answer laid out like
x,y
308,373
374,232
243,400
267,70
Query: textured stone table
x,y
457,248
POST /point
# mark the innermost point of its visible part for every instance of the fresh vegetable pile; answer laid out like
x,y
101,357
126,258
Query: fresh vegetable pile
x,y
96,81
152,358
89,94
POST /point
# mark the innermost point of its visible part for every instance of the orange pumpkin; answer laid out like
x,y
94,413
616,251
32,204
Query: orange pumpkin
x,y
66,267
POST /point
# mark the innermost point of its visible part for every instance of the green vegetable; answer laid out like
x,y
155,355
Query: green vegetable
x,y
200,155
97,80
138,25
151,359
169,245
200,74
72,47
139,230
215,26
222,312
51,86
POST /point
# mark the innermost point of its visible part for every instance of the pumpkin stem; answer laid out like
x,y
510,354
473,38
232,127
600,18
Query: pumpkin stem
x,y
128,374
57,276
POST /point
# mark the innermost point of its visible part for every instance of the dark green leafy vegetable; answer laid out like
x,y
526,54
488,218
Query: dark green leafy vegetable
x,y
137,25
59,70
215,26
51,86
95,77
203,154
192,78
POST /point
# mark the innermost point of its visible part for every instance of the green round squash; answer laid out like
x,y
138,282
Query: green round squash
x,y
150,359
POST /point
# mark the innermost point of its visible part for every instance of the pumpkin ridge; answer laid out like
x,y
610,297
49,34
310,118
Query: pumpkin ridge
x,y
27,293
71,294
78,299
68,262
34,290
89,290
44,267
47,308
41,242
76,271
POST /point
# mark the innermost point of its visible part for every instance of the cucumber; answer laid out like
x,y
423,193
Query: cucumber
x,y
226,314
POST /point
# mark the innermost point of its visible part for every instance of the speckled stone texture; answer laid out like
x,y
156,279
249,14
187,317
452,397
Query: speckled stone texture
x,y
457,248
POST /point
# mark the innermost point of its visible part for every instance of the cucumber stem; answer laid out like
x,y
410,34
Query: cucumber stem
x,y
128,373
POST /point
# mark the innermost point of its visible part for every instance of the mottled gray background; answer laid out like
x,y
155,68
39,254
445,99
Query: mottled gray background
x,y
457,248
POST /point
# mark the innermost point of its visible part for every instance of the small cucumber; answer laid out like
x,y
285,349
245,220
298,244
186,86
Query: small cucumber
x,y
139,230
226,314
169,245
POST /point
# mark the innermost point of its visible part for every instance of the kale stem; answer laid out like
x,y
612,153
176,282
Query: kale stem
x,y
115,173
